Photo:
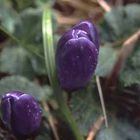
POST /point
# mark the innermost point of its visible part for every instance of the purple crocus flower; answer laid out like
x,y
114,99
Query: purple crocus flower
x,y
21,113
76,56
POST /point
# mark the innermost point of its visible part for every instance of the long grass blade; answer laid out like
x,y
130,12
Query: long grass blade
x,y
48,44
102,100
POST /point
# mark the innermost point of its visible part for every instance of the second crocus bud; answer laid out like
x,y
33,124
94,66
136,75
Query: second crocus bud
x,y
21,113
76,56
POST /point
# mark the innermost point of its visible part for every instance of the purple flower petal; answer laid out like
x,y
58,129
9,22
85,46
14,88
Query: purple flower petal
x,y
91,30
21,112
76,56
76,63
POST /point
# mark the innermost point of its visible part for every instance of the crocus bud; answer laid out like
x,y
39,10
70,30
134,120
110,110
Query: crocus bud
x,y
21,113
76,56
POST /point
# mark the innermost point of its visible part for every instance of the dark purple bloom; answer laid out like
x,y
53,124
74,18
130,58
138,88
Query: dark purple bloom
x,y
21,113
76,56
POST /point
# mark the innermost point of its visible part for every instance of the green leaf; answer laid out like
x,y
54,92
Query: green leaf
x,y
133,12
16,60
107,58
121,130
47,31
28,28
85,109
127,131
131,71
120,22
18,83
108,134
8,16
38,65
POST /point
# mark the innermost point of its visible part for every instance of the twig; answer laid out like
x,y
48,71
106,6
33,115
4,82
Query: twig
x,y
124,52
104,5
51,120
77,4
102,100
81,5
96,127
63,20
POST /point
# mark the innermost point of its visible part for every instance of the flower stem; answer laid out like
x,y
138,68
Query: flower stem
x,y
67,116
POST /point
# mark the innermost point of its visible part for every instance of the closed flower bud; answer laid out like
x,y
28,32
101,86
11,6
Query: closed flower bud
x,y
76,56
21,113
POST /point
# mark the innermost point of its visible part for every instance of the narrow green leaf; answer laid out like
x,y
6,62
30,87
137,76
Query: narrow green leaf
x,y
48,44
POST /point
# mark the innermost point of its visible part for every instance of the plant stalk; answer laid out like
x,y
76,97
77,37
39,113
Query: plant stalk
x,y
68,117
